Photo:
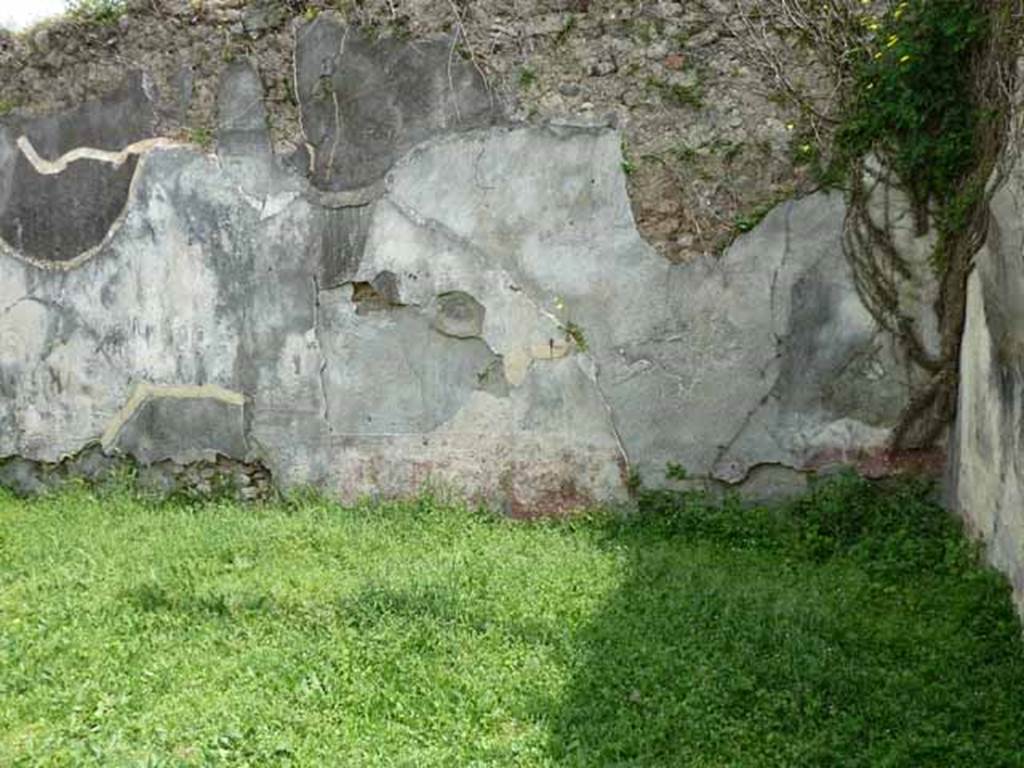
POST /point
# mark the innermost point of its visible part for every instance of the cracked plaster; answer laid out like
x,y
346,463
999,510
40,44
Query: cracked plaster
x,y
237,273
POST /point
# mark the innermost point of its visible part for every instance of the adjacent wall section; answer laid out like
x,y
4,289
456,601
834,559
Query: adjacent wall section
x,y
988,465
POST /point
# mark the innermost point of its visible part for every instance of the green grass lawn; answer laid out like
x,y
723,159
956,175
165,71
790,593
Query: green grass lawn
x,y
850,629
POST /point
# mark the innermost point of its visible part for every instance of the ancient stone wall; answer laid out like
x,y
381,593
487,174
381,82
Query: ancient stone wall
x,y
709,145
379,275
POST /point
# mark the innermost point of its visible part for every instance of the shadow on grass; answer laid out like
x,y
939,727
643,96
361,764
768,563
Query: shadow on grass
x,y
852,629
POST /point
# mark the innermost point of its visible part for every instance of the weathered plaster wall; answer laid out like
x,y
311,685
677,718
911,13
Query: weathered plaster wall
x,y
707,143
988,458
420,289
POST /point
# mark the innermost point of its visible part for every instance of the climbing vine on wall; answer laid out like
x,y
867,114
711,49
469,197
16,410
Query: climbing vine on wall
x,y
923,106
932,99
912,99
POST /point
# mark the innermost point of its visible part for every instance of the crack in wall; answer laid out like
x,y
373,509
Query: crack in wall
x,y
298,98
438,228
13,304
592,371
723,450
778,270
322,369
337,107
443,230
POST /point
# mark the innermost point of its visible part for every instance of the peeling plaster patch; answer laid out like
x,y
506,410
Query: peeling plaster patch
x,y
6,249
145,391
68,175
517,365
117,159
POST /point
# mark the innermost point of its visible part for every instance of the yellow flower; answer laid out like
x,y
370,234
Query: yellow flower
x,y
893,39
904,59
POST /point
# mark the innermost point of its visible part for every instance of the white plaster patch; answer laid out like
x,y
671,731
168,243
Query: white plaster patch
x,y
117,159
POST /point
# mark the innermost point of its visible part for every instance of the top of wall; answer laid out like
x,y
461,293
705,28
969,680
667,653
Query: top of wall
x,y
707,146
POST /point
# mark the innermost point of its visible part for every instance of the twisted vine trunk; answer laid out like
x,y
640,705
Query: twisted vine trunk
x,y
878,265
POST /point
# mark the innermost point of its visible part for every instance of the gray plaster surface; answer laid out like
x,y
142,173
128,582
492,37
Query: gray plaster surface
x,y
988,448
487,317
185,430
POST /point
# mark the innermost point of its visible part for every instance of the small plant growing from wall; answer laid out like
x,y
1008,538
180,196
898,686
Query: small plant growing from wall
x,y
574,333
96,12
675,471
201,136
628,163
527,78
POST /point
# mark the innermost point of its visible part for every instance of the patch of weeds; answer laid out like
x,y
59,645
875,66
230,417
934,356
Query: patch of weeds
x,y
728,150
492,376
96,12
683,153
803,150
566,30
634,482
806,152
201,136
401,29
748,220
629,165
890,527
377,605
231,51
6,106
527,78
677,94
675,471
644,31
